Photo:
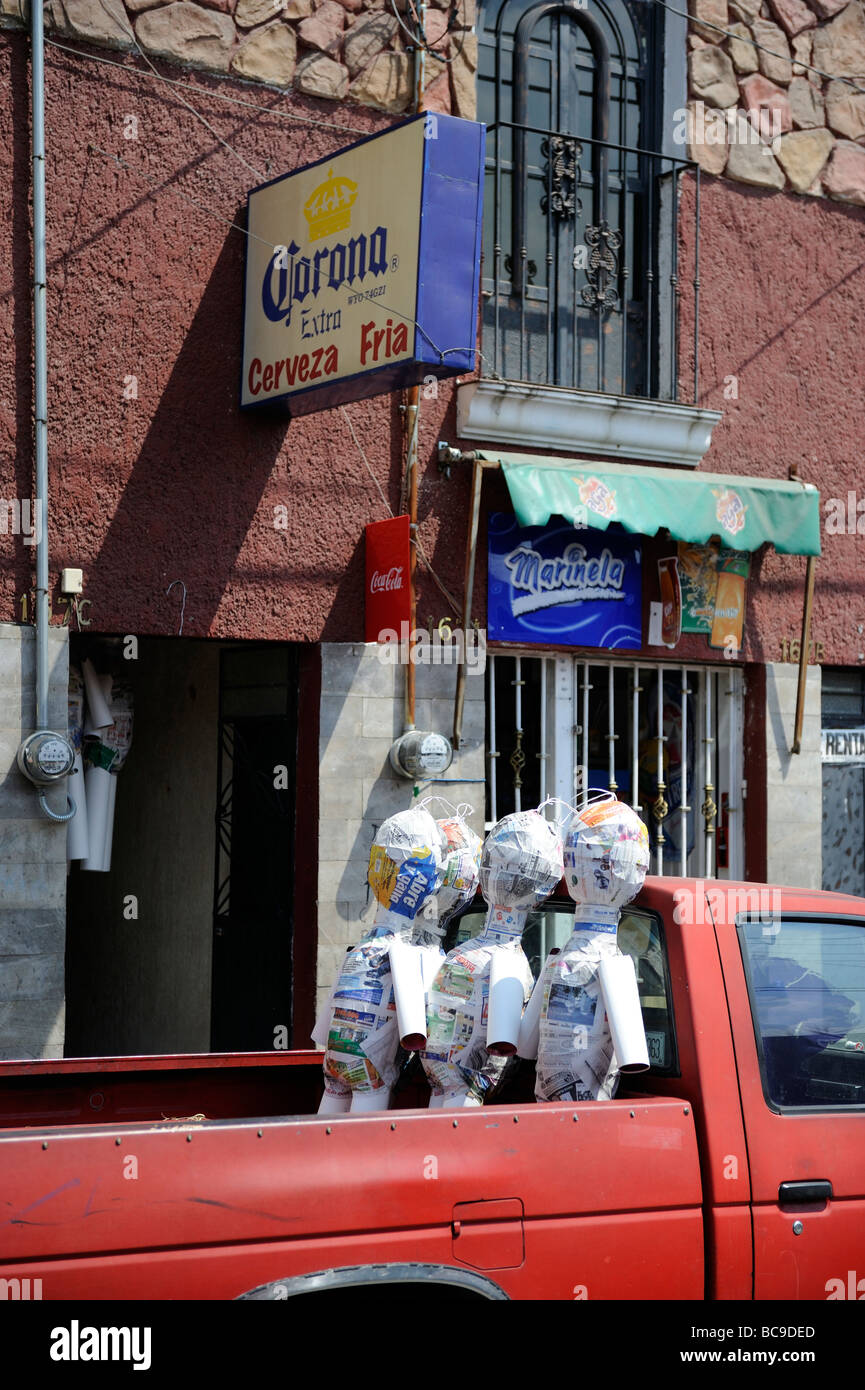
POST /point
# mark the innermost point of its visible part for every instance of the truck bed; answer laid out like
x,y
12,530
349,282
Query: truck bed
x,y
550,1199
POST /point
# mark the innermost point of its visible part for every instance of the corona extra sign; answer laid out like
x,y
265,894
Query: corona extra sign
x,y
362,269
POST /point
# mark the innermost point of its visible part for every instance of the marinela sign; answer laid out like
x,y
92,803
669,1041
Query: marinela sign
x,y
561,586
362,269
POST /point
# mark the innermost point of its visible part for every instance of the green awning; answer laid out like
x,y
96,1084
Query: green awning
x,y
745,512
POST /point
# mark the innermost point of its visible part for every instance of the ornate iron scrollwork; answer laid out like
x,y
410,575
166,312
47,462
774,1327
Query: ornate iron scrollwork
x,y
709,810
531,269
562,154
602,268
517,760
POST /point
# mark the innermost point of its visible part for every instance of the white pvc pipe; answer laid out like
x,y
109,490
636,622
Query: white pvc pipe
x,y
494,752
659,833
622,1002
505,1003
683,824
611,726
518,718
585,757
77,841
635,743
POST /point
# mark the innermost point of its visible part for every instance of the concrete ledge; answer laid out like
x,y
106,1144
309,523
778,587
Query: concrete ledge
x,y
516,414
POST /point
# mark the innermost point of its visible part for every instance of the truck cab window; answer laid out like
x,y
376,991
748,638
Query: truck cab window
x,y
806,980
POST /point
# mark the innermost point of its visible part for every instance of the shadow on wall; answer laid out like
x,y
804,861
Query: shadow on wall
x,y
194,490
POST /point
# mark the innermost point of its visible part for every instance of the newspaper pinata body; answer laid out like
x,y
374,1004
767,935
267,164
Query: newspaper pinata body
x,y
359,1029
480,991
588,992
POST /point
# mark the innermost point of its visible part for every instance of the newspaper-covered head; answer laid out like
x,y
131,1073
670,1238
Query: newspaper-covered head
x,y
462,867
406,862
521,861
606,854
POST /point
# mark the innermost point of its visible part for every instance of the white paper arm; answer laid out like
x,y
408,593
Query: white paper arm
x,y
409,994
506,1004
622,1002
321,1030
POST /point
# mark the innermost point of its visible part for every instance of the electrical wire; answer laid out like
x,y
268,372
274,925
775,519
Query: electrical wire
x,y
177,192
198,116
785,57
419,38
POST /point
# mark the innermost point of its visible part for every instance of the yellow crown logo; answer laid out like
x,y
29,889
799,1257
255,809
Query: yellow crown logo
x,y
328,208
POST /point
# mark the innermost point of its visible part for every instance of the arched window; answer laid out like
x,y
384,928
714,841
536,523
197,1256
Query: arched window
x,y
575,195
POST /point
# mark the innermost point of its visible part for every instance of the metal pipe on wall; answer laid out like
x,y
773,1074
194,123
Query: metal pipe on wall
x,y
412,408
804,646
411,462
40,357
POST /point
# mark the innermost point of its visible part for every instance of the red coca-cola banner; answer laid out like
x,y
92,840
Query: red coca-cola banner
x,y
387,588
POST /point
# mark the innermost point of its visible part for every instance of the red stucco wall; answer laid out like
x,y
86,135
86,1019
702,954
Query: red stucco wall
x,y
179,484
782,309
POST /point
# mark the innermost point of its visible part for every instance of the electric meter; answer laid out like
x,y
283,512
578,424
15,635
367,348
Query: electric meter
x,y
421,755
45,757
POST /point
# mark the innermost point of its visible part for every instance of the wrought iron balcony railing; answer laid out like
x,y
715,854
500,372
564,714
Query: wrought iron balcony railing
x,y
581,264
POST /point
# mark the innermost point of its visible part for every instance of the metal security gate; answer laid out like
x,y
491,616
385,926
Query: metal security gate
x,y
665,738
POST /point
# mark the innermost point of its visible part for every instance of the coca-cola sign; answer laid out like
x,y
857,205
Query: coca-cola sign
x,y
387,566
387,581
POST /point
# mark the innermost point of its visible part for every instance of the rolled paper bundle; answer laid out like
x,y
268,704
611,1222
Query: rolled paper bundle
x,y
406,968
119,736
97,786
99,715
506,1003
109,822
622,1002
77,838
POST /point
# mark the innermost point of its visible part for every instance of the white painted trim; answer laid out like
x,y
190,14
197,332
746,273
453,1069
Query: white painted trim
x,y
548,417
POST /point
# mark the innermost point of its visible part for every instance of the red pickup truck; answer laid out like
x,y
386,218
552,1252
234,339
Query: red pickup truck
x,y
733,1169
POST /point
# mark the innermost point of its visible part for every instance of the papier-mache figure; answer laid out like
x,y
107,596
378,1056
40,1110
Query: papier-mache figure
x,y
358,1027
415,965
478,996
584,1022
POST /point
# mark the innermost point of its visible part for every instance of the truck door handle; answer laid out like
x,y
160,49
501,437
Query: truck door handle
x,y
797,1193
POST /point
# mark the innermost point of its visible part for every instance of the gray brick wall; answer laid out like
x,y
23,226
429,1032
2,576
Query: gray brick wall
x,y
32,858
361,715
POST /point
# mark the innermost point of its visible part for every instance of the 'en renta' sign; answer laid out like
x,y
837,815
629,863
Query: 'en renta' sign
x,y
362,269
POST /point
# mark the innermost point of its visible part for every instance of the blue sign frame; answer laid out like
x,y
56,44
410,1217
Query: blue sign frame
x,y
560,586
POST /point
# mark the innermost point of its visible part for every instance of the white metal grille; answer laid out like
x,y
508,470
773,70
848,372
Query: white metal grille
x,y
666,738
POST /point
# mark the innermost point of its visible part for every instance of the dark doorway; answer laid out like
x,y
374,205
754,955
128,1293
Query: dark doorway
x,y
253,924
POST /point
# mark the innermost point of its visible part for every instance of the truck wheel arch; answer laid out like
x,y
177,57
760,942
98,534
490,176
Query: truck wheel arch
x,y
412,1280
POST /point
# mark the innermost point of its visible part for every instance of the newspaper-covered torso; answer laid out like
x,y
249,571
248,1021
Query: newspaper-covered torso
x,y
456,1061
576,1059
